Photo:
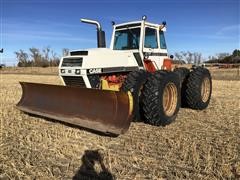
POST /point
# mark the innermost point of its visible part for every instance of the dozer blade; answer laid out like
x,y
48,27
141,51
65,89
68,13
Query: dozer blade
x,y
100,110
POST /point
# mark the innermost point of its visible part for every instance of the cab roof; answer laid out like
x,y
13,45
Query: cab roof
x,y
135,24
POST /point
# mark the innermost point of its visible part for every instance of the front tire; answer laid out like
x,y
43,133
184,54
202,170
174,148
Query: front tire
x,y
161,98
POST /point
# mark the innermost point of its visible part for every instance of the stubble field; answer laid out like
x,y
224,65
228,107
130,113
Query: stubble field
x,y
198,145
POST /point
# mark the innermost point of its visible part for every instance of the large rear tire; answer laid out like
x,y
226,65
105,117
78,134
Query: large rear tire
x,y
134,83
198,88
161,98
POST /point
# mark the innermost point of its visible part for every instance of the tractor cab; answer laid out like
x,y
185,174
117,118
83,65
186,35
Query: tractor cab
x,y
143,37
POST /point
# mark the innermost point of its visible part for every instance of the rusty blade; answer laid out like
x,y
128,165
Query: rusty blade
x,y
100,110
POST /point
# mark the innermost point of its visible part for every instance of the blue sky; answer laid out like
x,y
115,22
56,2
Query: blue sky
x,y
206,26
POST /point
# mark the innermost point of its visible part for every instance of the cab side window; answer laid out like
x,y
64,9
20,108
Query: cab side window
x,y
162,40
150,38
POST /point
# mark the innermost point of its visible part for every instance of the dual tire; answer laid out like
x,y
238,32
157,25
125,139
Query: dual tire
x,y
196,87
161,98
155,96
158,96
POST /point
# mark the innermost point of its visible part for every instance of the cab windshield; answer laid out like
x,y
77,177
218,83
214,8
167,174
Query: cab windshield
x,y
127,39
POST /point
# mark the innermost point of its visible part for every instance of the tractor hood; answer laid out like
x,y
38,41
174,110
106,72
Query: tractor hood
x,y
99,58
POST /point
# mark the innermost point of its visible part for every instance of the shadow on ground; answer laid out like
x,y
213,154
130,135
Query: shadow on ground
x,y
90,159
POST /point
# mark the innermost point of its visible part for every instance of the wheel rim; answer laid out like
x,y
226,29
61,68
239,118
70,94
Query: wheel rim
x,y
205,89
170,99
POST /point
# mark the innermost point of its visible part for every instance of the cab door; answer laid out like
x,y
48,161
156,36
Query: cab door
x,y
151,47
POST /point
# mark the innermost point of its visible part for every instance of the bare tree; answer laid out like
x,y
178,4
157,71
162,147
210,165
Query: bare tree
x,y
178,56
40,58
197,57
46,53
189,57
65,52
36,56
22,58
54,59
183,55
45,57
199,60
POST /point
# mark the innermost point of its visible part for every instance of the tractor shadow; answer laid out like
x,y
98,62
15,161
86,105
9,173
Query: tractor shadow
x,y
87,170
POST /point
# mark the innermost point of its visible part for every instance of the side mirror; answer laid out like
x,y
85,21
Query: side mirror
x,y
171,56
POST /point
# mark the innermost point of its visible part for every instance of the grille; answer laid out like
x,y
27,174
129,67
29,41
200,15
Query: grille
x,y
70,62
74,81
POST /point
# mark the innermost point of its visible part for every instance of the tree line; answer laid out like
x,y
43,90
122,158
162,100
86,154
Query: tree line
x,y
47,57
183,57
225,57
39,58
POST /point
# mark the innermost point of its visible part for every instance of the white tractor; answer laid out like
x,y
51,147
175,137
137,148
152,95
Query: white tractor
x,y
136,67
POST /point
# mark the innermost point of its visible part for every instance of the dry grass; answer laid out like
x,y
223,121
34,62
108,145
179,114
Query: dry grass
x,y
225,74
30,70
199,145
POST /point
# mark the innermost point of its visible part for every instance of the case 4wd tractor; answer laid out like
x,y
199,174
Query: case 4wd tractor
x,y
133,80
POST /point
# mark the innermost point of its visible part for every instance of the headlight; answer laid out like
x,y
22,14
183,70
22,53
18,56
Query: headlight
x,y
77,71
62,70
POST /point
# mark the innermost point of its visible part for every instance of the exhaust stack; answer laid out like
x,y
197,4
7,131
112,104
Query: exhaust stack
x,y
101,42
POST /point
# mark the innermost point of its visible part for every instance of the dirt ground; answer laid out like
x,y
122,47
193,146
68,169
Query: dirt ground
x,y
198,145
